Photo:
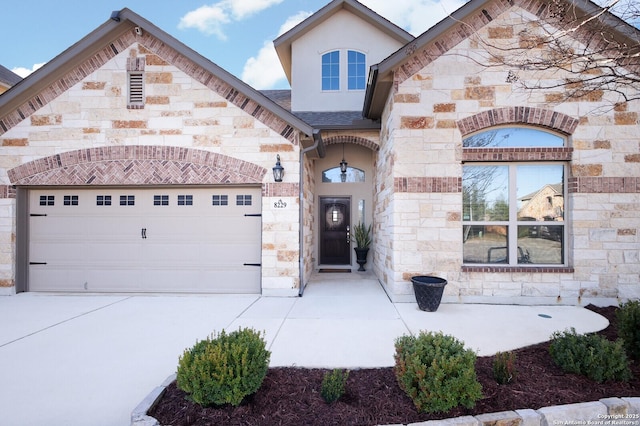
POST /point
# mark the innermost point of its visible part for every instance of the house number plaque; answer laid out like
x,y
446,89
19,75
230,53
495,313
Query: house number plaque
x,y
280,204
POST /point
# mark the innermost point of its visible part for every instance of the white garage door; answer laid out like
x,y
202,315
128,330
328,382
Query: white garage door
x,y
204,240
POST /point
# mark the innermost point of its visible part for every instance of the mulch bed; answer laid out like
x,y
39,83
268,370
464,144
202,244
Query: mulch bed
x,y
291,396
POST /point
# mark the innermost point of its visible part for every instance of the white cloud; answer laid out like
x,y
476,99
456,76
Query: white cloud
x,y
206,19
211,19
23,72
264,71
245,8
292,21
415,16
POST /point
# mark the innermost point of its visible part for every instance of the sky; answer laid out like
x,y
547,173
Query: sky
x,y
237,35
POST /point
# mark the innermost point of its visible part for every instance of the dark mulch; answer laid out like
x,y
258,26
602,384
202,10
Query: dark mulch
x,y
290,396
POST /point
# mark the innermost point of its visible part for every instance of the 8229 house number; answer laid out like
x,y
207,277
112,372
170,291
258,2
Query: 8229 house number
x,y
280,204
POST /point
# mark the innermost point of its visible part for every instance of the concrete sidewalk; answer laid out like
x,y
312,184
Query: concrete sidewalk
x,y
90,359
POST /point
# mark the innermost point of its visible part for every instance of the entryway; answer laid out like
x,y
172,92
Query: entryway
x,y
335,228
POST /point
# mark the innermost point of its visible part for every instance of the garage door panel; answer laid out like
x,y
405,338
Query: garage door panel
x,y
114,279
149,242
57,252
113,252
58,278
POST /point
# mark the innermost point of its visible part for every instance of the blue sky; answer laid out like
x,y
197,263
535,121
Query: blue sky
x,y
235,34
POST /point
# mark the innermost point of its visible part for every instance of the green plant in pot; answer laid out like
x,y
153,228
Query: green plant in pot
x,y
362,235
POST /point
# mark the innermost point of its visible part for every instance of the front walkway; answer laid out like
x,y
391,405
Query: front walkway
x,y
90,359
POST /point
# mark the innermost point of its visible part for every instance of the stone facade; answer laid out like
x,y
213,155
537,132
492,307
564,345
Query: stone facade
x,y
192,130
442,95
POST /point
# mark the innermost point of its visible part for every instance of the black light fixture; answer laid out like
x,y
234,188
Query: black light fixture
x,y
278,170
343,167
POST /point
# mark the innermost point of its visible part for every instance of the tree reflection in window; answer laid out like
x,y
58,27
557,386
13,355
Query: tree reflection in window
x,y
334,175
513,137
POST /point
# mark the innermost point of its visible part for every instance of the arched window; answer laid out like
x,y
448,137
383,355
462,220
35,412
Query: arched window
x,y
331,70
513,137
356,70
334,175
514,211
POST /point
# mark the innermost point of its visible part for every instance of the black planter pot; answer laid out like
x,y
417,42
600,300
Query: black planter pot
x,y
428,291
361,257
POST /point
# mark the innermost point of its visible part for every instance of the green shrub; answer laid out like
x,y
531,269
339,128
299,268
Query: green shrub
x,y
590,355
504,367
224,368
333,384
628,317
436,372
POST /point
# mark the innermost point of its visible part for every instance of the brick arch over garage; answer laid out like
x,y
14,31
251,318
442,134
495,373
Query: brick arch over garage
x,y
137,165
356,140
549,119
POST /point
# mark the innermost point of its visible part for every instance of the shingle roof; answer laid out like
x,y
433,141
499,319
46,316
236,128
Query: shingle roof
x,y
8,77
322,119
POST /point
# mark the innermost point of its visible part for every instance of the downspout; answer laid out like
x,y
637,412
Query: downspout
x,y
317,143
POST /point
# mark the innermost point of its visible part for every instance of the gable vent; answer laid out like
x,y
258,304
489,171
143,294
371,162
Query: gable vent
x,y
136,89
135,82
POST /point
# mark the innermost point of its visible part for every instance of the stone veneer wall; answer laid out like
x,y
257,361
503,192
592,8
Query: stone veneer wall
x,y
187,110
441,97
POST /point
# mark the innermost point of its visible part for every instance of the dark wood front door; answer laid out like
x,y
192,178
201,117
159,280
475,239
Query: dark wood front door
x,y
335,226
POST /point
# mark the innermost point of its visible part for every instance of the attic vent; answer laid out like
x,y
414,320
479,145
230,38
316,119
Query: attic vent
x,y
135,82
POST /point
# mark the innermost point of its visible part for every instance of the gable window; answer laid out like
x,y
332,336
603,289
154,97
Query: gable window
x,y
514,211
356,70
331,70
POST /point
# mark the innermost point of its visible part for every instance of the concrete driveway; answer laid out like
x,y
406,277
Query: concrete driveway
x,y
90,359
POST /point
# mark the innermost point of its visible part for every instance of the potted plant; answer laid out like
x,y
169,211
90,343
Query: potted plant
x,y
362,235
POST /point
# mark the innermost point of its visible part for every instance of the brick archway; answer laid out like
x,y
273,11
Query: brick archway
x,y
518,115
356,140
137,165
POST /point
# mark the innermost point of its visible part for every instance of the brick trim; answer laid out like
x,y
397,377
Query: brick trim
x,y
517,154
604,185
170,55
532,269
7,191
137,165
518,115
427,184
281,189
356,140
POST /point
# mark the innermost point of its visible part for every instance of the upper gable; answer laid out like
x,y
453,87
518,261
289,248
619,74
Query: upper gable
x,y
344,32
122,31
342,26
489,28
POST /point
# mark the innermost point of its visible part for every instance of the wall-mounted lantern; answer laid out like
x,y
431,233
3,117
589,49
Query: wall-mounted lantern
x,y
278,170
